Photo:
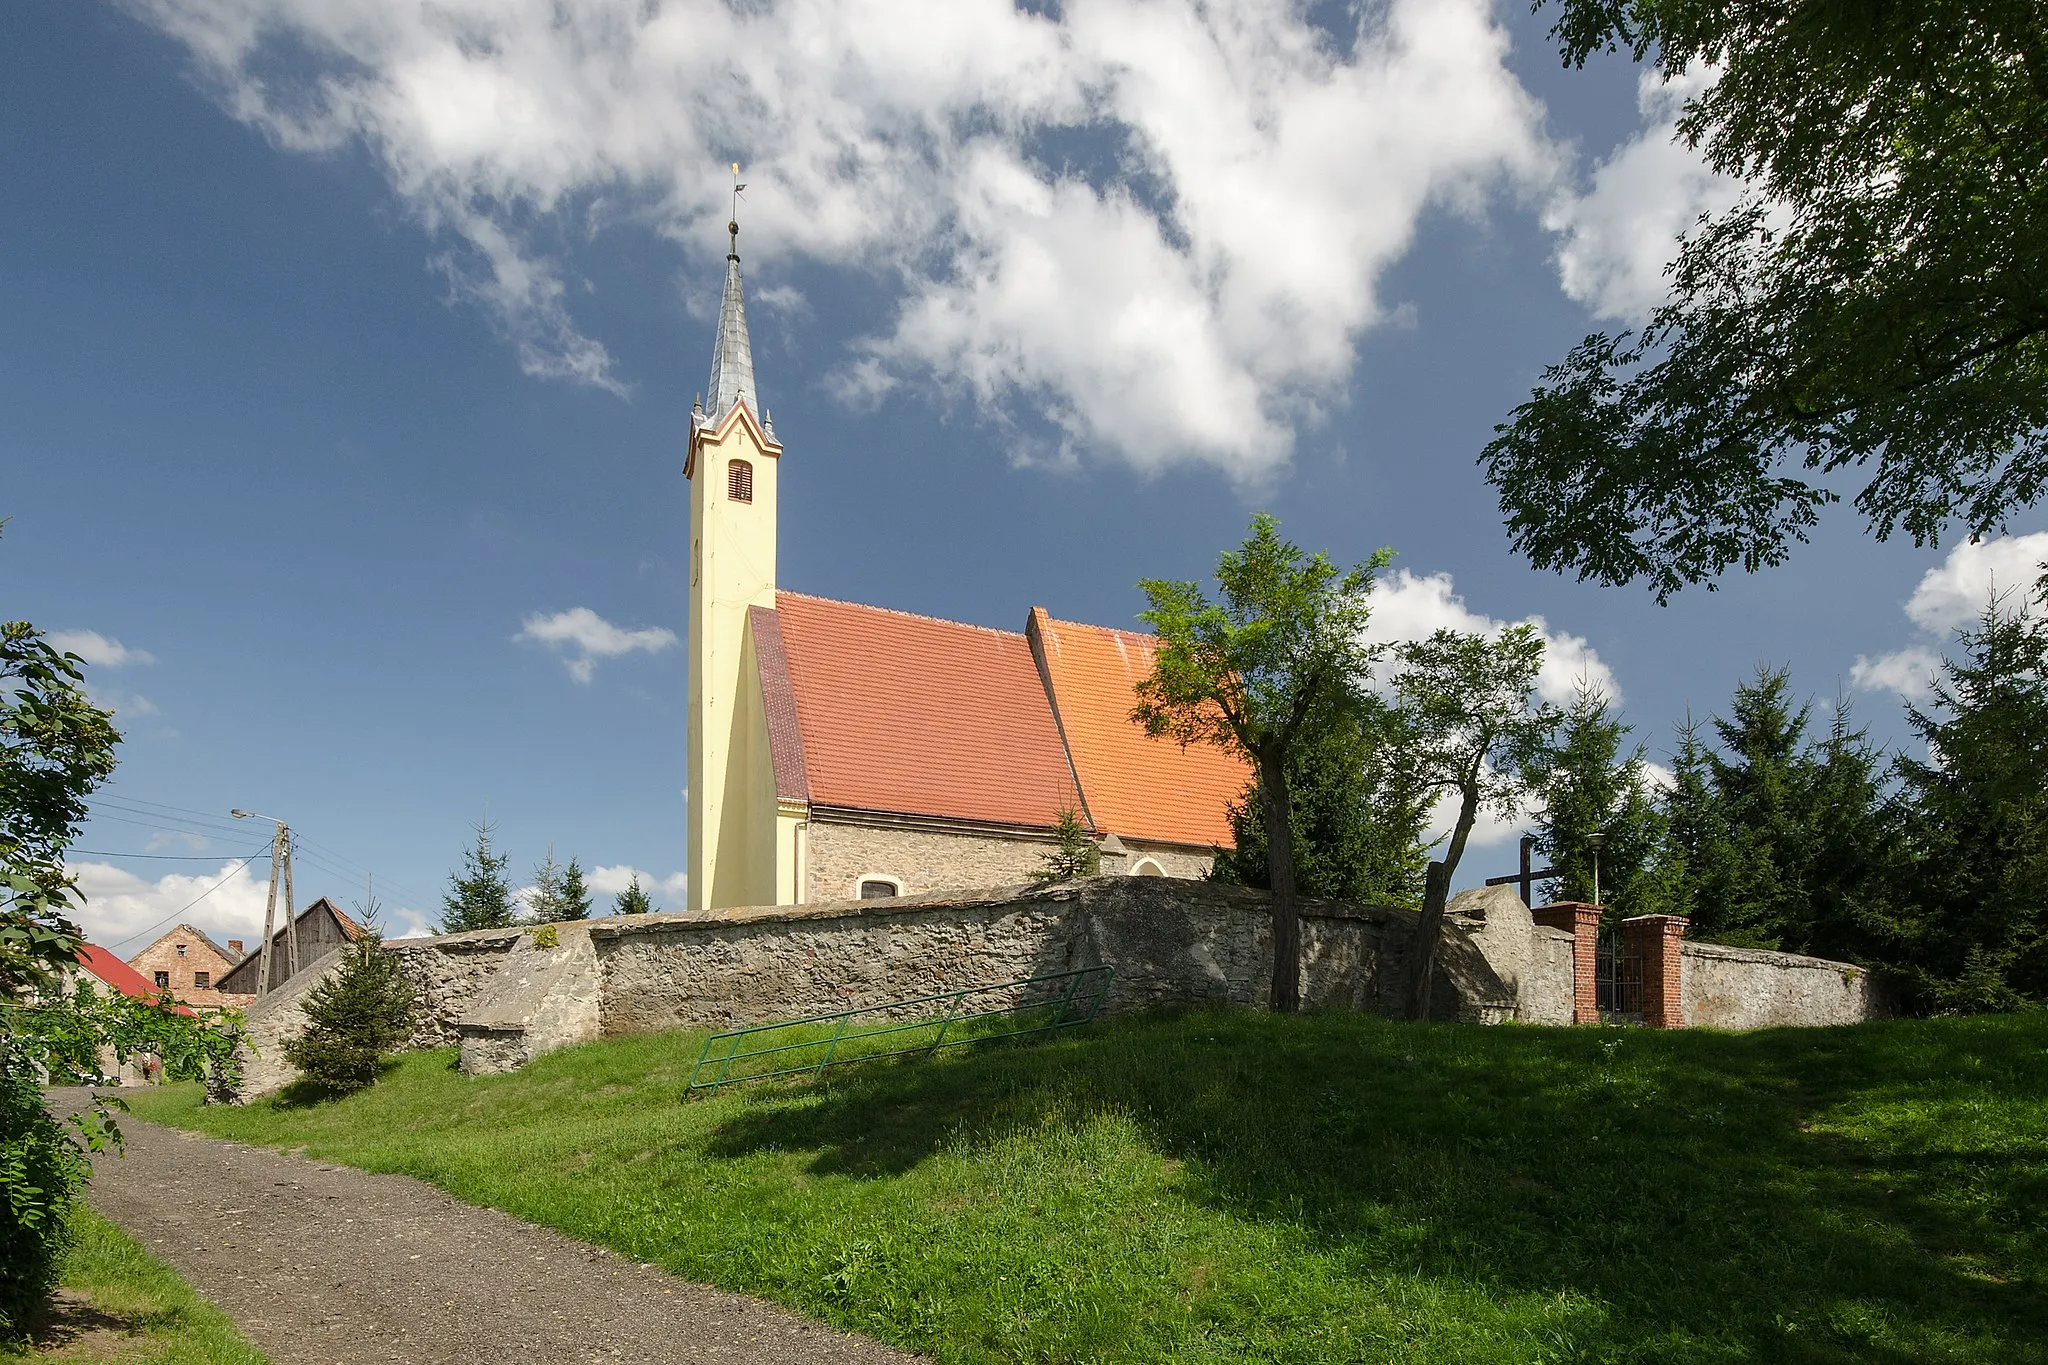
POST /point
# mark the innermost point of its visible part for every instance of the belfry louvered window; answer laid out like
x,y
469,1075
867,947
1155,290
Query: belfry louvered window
x,y
739,481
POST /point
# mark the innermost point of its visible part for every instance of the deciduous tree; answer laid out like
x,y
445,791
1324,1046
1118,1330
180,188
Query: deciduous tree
x,y
1280,657
1873,302
1474,730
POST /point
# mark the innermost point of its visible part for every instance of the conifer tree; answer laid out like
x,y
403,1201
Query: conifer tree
x,y
1360,819
478,896
544,898
1074,852
352,1019
1588,786
1972,932
633,900
575,895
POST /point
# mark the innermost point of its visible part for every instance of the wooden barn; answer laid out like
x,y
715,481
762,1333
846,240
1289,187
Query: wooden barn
x,y
321,926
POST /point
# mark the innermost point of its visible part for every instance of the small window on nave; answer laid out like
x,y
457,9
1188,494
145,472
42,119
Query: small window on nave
x,y
1148,868
739,481
879,888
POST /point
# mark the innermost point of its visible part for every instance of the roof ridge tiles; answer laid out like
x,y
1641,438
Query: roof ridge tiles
x,y
907,615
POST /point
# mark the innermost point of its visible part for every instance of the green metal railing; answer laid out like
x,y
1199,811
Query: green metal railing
x,y
1055,1001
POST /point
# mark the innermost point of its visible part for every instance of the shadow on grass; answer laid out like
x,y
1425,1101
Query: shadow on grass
x,y
1870,1194
309,1093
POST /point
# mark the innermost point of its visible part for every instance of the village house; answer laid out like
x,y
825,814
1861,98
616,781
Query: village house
x,y
846,751
322,926
191,966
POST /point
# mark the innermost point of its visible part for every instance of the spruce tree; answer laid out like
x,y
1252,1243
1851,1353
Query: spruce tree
x,y
633,900
478,896
1587,786
575,895
1074,852
544,898
352,1018
1972,930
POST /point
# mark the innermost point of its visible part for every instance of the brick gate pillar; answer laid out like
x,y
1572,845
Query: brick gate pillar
x,y
1582,922
1653,940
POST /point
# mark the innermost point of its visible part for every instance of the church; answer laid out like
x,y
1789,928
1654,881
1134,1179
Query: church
x,y
840,751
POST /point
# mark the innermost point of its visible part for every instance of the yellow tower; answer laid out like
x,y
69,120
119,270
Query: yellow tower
x,y
731,467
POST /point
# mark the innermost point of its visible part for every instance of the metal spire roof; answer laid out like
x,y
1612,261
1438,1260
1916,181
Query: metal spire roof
x,y
732,355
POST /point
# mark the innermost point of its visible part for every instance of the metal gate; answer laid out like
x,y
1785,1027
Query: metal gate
x,y
1617,978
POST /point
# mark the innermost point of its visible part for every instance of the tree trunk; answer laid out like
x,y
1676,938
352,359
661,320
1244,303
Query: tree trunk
x,y
1280,874
1436,893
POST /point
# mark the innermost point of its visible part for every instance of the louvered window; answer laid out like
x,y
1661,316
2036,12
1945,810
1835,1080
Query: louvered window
x,y
739,481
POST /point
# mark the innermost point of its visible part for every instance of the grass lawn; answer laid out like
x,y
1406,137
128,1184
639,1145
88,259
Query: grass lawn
x,y
1239,1187
124,1305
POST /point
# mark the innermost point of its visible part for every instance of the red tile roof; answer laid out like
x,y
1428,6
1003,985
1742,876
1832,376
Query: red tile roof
x,y
919,716
1137,786
114,972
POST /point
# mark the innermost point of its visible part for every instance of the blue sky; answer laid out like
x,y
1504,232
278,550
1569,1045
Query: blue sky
x,y
344,339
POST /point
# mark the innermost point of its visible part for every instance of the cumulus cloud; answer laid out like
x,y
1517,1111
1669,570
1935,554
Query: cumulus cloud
x,y
1409,606
1952,594
1154,228
668,892
1620,234
98,650
585,637
125,913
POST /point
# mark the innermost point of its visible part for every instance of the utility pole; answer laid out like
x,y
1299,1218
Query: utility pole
x,y
280,867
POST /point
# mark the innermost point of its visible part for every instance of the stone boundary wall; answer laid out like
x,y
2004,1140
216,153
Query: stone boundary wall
x,y
1173,944
1747,988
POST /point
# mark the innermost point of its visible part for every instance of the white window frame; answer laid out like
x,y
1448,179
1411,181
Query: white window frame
x,y
864,878
1138,868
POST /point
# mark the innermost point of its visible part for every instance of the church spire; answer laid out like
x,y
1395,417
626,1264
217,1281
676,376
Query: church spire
x,y
732,355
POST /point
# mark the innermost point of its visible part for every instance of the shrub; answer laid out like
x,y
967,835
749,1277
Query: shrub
x,y
354,1017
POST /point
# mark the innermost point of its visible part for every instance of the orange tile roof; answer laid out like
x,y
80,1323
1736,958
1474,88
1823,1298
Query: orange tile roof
x,y
918,716
1136,786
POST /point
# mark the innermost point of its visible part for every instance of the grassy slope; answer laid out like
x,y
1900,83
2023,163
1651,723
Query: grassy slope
x,y
1231,1187
173,1325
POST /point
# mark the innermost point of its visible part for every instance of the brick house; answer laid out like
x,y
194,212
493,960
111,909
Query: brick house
x,y
191,967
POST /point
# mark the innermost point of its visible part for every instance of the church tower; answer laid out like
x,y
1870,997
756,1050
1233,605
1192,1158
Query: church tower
x,y
731,466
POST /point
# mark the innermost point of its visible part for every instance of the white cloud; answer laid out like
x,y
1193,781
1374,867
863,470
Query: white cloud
x,y
1157,226
1949,596
589,637
668,891
1409,606
126,913
1621,233
1956,592
98,649
1908,672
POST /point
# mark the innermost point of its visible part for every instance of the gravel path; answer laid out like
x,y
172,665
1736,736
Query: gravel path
x,y
331,1266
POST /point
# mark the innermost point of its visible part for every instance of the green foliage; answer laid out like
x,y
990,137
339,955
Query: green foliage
x,y
41,1173
478,896
353,1018
1326,1189
575,895
1780,836
1587,786
56,748
1971,917
1074,852
1872,302
1280,657
633,900
547,936
1360,823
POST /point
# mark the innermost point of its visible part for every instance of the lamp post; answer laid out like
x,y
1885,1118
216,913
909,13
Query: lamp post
x,y
1596,838
280,858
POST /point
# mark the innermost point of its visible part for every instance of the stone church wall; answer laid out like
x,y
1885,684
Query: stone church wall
x,y
928,860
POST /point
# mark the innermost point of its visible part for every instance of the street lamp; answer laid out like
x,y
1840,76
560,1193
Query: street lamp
x,y
280,857
1596,838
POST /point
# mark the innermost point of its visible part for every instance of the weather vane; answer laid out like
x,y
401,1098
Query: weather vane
x,y
737,186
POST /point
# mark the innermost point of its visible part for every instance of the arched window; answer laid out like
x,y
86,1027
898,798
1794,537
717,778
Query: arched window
x,y
879,888
1148,868
739,481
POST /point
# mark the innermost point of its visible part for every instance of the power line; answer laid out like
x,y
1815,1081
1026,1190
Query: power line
x,y
161,857
189,904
